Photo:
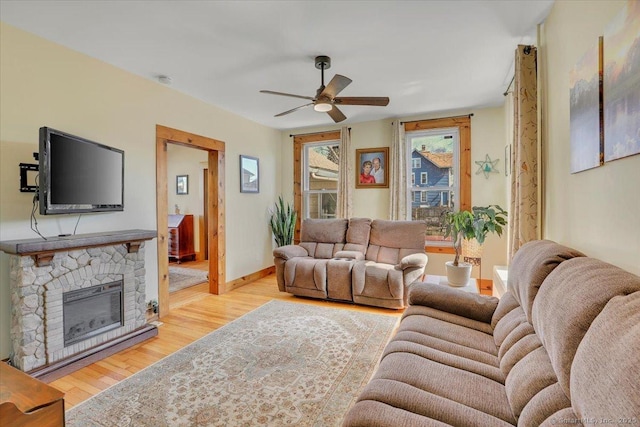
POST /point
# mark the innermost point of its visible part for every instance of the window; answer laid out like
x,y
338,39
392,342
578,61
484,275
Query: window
x,y
413,179
442,148
320,179
315,183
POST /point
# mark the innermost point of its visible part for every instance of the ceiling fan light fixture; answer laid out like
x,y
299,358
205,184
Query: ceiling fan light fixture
x,y
323,107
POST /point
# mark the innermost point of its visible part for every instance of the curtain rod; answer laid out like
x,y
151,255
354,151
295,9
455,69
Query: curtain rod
x,y
315,133
506,92
438,118
527,50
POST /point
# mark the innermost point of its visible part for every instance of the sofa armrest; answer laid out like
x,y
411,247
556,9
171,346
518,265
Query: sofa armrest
x,y
354,255
454,301
289,251
413,261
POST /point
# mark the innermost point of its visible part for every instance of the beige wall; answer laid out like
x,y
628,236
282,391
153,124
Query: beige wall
x,y
596,211
191,162
44,84
487,137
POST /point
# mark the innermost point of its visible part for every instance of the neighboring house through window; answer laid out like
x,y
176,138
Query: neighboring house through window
x,y
440,151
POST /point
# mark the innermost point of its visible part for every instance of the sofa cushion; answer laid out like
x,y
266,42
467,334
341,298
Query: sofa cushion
x,y
605,379
505,305
358,234
531,264
414,320
391,241
568,301
401,345
543,407
507,324
447,346
455,387
323,238
389,403
324,230
472,306
449,317
307,276
532,374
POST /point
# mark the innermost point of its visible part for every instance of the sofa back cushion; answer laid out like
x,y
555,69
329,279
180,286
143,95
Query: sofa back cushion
x,y
358,235
322,238
605,384
569,300
531,265
391,241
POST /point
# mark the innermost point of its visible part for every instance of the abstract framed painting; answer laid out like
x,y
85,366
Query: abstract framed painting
x,y
621,84
585,111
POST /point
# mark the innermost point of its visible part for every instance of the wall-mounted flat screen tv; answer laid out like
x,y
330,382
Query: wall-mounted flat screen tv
x,y
77,175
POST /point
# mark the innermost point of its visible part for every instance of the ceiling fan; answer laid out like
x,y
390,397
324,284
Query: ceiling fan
x,y
326,99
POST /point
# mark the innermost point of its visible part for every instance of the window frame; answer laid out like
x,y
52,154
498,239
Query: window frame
x,y
298,143
463,123
308,193
424,178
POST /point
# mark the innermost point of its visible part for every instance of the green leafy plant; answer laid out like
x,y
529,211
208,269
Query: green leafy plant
x,y
475,224
283,222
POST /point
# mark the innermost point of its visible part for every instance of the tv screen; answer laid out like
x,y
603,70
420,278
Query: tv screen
x,y
78,175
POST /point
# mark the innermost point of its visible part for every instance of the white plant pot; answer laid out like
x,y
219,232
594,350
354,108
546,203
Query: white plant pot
x,y
458,276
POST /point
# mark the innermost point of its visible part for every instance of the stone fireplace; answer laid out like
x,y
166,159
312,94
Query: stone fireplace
x,y
74,292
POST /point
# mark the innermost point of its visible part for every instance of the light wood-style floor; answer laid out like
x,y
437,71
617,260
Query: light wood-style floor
x,y
194,313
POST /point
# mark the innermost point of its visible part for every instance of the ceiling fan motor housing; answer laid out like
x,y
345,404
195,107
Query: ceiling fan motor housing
x,y
323,60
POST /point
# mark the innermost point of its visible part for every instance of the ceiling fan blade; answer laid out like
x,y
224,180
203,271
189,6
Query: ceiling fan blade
x,y
336,85
362,100
287,94
294,109
336,114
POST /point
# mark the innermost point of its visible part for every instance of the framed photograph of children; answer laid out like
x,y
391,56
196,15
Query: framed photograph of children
x,y
372,168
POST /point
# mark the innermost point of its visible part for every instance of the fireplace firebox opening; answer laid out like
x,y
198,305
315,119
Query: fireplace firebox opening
x,y
92,311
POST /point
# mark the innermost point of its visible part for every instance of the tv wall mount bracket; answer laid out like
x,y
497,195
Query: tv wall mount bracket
x,y
24,186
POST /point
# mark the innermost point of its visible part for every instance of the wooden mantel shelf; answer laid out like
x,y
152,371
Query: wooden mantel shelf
x,y
43,250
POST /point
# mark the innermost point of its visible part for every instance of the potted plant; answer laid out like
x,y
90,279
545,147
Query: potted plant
x,y
283,223
469,225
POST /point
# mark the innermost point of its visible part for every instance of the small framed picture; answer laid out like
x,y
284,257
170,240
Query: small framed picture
x,y
182,184
249,174
372,168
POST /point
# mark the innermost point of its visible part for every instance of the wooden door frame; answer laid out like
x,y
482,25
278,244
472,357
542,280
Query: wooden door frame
x,y
215,220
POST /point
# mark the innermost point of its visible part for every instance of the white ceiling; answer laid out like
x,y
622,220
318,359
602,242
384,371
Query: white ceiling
x,y
426,56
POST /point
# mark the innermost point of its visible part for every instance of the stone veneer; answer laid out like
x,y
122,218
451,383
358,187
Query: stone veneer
x,y
36,295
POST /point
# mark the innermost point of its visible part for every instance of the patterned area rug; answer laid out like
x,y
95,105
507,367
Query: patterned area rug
x,y
281,364
180,278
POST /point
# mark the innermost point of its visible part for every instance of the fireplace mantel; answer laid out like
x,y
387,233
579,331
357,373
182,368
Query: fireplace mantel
x,y
43,250
42,271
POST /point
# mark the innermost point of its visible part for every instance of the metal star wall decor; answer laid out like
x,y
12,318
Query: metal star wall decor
x,y
487,166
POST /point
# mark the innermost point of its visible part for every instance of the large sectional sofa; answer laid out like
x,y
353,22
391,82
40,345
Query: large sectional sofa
x,y
561,347
360,260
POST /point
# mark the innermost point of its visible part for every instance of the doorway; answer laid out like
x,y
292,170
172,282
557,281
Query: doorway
x,y
214,208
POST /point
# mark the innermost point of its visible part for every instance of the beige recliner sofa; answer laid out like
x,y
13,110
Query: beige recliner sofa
x,y
358,260
561,347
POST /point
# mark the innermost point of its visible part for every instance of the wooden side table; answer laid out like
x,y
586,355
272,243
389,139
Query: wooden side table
x,y
25,401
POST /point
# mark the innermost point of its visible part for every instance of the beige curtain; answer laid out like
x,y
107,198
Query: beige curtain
x,y
398,185
523,212
345,176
